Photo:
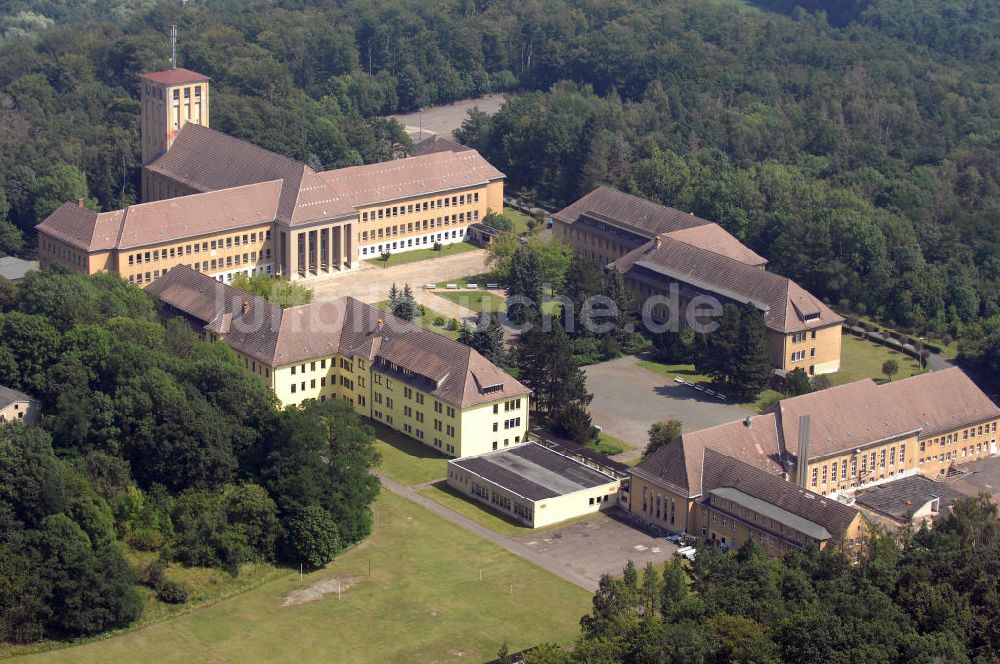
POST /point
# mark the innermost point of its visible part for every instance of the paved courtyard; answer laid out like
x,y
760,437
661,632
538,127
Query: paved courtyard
x,y
597,546
370,283
628,399
446,119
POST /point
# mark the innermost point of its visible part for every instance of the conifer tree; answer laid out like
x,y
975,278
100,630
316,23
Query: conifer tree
x,y
523,283
751,359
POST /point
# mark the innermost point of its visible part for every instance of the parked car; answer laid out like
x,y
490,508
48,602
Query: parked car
x,y
675,539
688,552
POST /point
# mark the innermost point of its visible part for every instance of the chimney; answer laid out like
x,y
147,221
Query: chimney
x,y
246,307
658,242
79,202
381,324
802,462
748,421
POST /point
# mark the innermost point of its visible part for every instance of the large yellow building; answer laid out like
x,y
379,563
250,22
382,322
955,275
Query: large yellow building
x,y
819,447
660,250
435,390
222,206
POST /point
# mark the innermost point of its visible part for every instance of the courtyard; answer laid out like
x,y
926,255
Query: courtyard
x,y
629,398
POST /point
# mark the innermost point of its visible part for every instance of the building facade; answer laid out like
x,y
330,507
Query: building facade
x,y
18,407
243,209
432,389
824,446
533,485
674,260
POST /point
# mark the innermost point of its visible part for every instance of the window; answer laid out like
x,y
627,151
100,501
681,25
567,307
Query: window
x,y
882,458
815,475
798,356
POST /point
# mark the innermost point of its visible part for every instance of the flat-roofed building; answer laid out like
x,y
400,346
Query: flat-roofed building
x,y
661,251
913,501
18,407
307,223
431,388
14,268
533,484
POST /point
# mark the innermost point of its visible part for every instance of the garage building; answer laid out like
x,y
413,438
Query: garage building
x,y
533,484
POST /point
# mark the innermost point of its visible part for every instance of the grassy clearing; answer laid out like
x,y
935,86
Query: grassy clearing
x,y
518,219
414,255
478,301
407,461
424,603
863,359
610,445
427,320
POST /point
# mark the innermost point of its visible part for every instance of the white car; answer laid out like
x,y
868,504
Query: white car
x,y
688,552
689,383
678,379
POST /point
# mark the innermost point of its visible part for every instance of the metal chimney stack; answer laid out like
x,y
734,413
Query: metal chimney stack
x,y
173,47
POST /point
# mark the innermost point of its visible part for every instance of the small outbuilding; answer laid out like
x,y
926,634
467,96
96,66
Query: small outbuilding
x,y
18,407
533,484
14,268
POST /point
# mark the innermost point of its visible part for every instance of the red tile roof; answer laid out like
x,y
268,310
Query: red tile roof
x,y
178,76
448,370
787,306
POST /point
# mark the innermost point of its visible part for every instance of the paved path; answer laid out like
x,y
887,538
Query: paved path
x,y
371,284
507,543
444,306
629,398
446,119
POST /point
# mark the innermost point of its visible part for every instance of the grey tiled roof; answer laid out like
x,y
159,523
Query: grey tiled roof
x,y
533,471
901,498
10,396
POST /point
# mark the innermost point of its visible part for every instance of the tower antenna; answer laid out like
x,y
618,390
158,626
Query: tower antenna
x,y
173,47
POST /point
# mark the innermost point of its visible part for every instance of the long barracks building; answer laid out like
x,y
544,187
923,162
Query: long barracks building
x,y
782,477
222,206
659,249
435,390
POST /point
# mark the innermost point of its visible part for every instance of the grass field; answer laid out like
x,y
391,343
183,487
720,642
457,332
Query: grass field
x,y
609,444
688,372
519,219
427,320
863,359
481,514
478,301
407,461
413,255
424,603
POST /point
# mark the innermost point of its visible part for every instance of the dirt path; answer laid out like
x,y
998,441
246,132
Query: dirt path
x,y
371,284
321,588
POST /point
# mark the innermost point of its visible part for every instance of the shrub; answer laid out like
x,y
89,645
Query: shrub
x,y
146,538
439,321
172,592
453,325
573,422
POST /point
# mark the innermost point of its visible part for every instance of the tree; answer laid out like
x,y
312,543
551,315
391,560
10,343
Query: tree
x,y
796,383
890,368
497,221
662,434
310,537
486,338
523,286
751,363
500,254
404,306
573,422
546,363
614,288
62,184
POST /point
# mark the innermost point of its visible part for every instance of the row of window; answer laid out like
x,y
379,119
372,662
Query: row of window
x,y
971,450
65,253
882,456
417,226
196,247
412,242
799,355
435,204
512,423
660,503
799,337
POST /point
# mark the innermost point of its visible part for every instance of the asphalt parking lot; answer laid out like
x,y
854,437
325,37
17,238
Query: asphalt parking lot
x,y
599,545
628,399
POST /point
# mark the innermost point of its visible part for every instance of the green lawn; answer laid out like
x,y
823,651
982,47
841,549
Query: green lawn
x,y
482,514
413,255
478,301
610,445
424,603
518,219
427,320
863,359
407,461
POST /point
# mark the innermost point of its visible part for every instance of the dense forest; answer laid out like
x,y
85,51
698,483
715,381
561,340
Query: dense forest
x,y
854,143
929,596
152,441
